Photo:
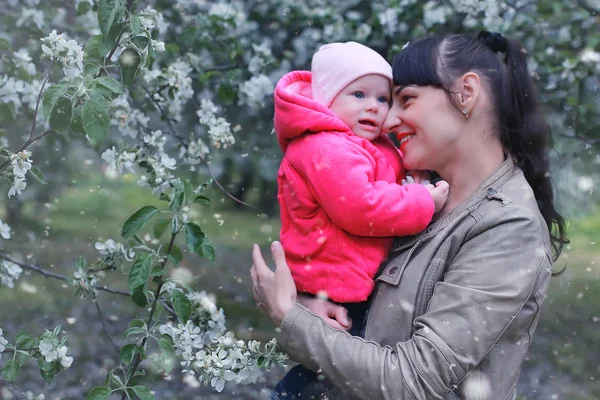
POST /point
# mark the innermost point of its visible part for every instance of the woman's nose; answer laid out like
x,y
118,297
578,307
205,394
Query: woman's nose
x,y
392,121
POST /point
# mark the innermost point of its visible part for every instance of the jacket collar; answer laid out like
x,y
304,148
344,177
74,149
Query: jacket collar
x,y
488,188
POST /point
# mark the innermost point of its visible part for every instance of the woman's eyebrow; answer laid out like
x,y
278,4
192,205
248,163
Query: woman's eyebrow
x,y
399,89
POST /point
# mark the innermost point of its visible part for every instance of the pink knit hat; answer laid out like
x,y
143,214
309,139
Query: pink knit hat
x,y
336,65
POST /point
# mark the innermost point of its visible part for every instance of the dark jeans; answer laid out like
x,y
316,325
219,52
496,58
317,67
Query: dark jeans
x,y
300,383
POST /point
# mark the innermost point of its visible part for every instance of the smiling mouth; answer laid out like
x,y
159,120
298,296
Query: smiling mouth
x,y
405,138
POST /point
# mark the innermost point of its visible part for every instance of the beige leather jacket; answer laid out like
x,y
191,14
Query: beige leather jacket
x,y
453,311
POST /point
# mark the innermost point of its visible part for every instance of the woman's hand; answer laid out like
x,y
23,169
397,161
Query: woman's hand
x,y
274,292
332,314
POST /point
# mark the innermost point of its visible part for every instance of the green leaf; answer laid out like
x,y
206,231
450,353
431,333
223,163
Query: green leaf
x,y
226,94
136,25
129,60
134,331
204,186
138,220
51,96
202,200
194,236
81,262
208,250
99,393
114,379
93,56
11,370
151,57
48,375
96,119
83,8
21,337
182,306
143,393
167,356
188,192
38,175
91,50
164,197
7,112
108,12
110,83
137,323
139,296
156,271
77,121
60,118
175,255
177,202
22,355
141,42
139,271
4,44
127,352
160,226
45,365
137,241
109,41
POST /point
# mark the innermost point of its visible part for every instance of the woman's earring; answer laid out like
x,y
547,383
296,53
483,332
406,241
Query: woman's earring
x,y
466,113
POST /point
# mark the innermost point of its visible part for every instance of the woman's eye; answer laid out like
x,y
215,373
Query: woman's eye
x,y
359,95
406,98
383,99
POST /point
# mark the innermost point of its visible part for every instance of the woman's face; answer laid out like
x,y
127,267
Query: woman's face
x,y
426,124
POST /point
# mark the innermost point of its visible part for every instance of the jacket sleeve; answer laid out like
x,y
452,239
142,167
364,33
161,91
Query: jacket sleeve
x,y
342,180
490,279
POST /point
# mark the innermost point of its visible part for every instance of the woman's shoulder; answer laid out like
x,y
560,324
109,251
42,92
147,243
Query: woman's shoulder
x,y
512,208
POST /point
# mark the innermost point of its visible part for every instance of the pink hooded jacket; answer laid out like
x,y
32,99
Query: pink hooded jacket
x,y
340,197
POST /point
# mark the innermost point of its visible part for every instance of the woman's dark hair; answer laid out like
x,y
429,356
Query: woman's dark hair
x,y
437,61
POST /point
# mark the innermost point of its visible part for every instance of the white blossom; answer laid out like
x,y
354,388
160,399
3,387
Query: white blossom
x,y
67,53
590,57
3,343
213,355
129,121
194,152
172,87
24,61
4,230
52,350
434,13
119,162
9,273
35,15
17,187
111,248
85,283
255,91
10,88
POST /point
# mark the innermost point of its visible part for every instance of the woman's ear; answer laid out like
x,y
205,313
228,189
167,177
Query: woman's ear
x,y
467,90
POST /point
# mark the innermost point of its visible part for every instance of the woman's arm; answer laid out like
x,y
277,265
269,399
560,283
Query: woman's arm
x,y
489,280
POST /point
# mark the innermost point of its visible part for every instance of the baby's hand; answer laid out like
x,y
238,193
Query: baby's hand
x,y
439,192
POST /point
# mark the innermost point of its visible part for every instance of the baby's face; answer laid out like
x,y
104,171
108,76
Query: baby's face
x,y
363,105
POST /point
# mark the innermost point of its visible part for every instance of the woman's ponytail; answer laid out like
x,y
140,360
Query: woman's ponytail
x,y
526,136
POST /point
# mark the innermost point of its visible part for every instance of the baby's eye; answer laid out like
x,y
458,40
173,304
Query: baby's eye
x,y
359,95
383,99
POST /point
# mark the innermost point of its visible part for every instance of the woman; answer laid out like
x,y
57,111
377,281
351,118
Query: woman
x,y
455,307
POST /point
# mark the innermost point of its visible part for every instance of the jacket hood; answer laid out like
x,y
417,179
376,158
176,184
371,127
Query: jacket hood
x,y
296,112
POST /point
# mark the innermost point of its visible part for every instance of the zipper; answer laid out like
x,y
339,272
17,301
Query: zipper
x,y
426,287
